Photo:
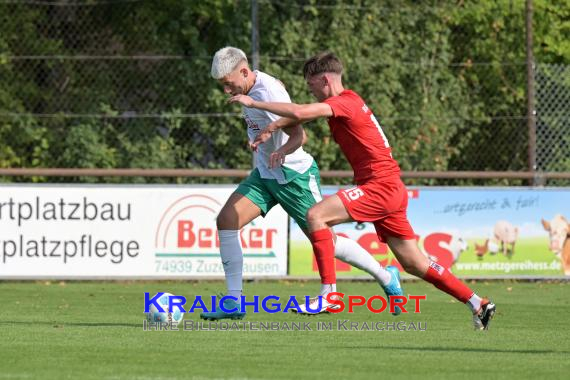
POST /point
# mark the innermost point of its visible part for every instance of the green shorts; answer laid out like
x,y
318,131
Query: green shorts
x,y
296,197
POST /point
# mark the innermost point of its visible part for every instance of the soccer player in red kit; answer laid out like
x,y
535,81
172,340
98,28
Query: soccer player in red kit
x,y
380,196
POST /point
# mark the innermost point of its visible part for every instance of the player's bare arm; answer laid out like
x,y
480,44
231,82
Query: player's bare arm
x,y
299,112
282,123
296,137
264,135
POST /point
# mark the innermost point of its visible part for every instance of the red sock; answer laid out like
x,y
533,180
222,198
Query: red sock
x,y
444,280
323,246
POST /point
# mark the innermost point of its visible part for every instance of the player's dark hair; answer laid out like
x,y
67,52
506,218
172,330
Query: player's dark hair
x,y
325,62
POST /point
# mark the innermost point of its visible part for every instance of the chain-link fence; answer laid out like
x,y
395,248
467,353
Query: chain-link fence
x,y
553,123
125,84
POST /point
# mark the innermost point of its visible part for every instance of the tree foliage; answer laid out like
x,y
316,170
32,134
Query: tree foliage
x,y
447,79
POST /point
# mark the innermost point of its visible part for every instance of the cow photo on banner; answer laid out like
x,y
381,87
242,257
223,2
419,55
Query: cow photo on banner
x,y
476,232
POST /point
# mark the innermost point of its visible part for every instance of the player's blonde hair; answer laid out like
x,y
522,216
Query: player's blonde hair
x,y
226,60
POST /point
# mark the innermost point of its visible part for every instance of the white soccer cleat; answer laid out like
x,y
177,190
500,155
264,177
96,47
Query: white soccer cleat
x,y
482,319
317,305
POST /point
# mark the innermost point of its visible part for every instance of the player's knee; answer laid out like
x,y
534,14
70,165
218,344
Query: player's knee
x,y
223,222
413,267
220,222
409,265
313,216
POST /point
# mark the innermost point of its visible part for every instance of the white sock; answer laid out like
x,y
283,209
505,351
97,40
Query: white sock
x,y
352,253
326,289
232,260
474,303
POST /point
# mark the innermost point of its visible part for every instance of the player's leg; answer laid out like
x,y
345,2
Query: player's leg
x,y
394,228
297,197
303,192
350,252
348,205
414,262
250,200
236,213
322,241
345,205
320,218
355,202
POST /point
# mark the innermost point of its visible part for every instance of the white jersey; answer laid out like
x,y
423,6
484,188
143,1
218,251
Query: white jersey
x,y
269,89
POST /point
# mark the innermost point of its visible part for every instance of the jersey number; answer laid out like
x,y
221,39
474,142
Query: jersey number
x,y
354,193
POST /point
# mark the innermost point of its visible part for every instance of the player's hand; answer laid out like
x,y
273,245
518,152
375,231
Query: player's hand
x,y
252,147
261,137
244,100
276,159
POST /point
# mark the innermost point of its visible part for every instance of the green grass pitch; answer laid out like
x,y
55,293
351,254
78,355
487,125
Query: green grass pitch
x,y
93,330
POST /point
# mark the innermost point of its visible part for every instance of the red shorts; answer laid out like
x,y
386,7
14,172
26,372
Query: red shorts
x,y
383,202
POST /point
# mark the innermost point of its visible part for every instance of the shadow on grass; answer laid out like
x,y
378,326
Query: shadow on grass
x,y
57,324
457,349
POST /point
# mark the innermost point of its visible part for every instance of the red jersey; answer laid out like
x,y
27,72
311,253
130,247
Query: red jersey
x,y
360,137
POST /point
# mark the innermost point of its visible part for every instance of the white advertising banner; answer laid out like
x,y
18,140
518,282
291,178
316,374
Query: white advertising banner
x,y
80,231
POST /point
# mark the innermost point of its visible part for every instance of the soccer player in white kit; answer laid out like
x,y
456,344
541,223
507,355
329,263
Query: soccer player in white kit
x,y
284,174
